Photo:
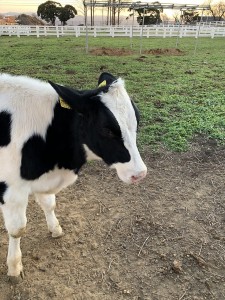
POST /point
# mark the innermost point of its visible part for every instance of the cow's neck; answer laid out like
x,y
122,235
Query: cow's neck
x,y
64,134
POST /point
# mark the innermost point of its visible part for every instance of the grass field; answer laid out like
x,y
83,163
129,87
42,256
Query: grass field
x,y
179,96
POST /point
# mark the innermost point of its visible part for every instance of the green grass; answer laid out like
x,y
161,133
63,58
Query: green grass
x,y
179,96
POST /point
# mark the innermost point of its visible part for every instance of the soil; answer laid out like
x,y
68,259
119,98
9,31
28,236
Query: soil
x,y
161,239
166,51
111,51
123,52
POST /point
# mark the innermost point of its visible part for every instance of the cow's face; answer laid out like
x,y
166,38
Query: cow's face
x,y
110,121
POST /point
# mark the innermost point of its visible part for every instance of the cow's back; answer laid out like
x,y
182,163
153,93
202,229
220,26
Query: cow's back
x,y
26,108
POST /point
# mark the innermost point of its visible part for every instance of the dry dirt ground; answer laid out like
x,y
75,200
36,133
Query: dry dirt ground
x,y
123,52
161,239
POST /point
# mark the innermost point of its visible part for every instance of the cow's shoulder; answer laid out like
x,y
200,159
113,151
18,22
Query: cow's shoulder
x,y
60,147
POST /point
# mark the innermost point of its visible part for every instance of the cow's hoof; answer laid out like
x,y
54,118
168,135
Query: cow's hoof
x,y
16,279
57,233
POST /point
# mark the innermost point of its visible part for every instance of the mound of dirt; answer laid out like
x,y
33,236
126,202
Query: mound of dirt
x,y
24,19
122,51
166,51
111,51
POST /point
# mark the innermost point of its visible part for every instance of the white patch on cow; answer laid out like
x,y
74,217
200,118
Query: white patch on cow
x,y
22,96
90,155
118,102
53,181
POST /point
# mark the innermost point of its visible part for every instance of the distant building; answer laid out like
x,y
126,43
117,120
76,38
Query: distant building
x,y
8,20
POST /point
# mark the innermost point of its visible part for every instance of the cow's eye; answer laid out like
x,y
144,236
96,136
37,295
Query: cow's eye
x,y
107,132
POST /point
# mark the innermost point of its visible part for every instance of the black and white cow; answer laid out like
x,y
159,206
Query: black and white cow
x,y
47,133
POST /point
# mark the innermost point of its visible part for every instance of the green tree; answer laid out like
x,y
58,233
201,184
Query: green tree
x,y
49,10
190,17
67,12
150,16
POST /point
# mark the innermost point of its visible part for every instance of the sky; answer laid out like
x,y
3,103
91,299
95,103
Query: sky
x,y
27,5
32,5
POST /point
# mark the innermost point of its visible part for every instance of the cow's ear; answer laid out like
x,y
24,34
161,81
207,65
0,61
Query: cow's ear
x,y
68,97
105,79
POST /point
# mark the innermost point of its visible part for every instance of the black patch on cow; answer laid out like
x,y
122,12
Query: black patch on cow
x,y
100,129
3,188
61,148
5,128
104,136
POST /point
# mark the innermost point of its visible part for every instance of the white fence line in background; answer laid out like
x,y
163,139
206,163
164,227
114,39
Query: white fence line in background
x,y
199,30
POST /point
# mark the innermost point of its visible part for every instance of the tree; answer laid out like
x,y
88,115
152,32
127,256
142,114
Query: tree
x,y
65,13
217,10
118,10
190,17
150,16
49,10
176,16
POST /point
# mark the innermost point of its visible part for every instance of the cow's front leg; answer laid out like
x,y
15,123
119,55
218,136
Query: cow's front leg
x,y
14,257
14,213
47,203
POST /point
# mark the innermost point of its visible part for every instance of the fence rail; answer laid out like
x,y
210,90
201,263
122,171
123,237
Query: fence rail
x,y
115,31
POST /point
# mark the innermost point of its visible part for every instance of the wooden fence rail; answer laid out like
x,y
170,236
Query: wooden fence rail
x,y
115,31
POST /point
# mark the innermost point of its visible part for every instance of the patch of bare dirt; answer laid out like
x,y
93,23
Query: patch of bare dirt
x,y
124,52
163,239
111,51
166,51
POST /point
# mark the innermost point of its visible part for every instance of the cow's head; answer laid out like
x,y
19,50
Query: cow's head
x,y
110,122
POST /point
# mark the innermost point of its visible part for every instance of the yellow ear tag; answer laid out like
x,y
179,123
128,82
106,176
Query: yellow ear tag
x,y
103,83
64,104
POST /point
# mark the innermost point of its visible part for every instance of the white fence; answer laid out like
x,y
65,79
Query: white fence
x,y
200,30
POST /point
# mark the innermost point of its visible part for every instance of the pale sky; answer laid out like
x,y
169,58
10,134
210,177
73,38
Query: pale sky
x,y
32,5
27,5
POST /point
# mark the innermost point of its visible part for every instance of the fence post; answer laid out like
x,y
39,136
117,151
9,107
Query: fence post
x,y
212,32
76,30
164,32
198,32
131,31
142,31
181,32
18,31
37,31
57,31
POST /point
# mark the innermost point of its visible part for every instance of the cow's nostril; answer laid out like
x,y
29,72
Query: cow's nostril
x,y
139,176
